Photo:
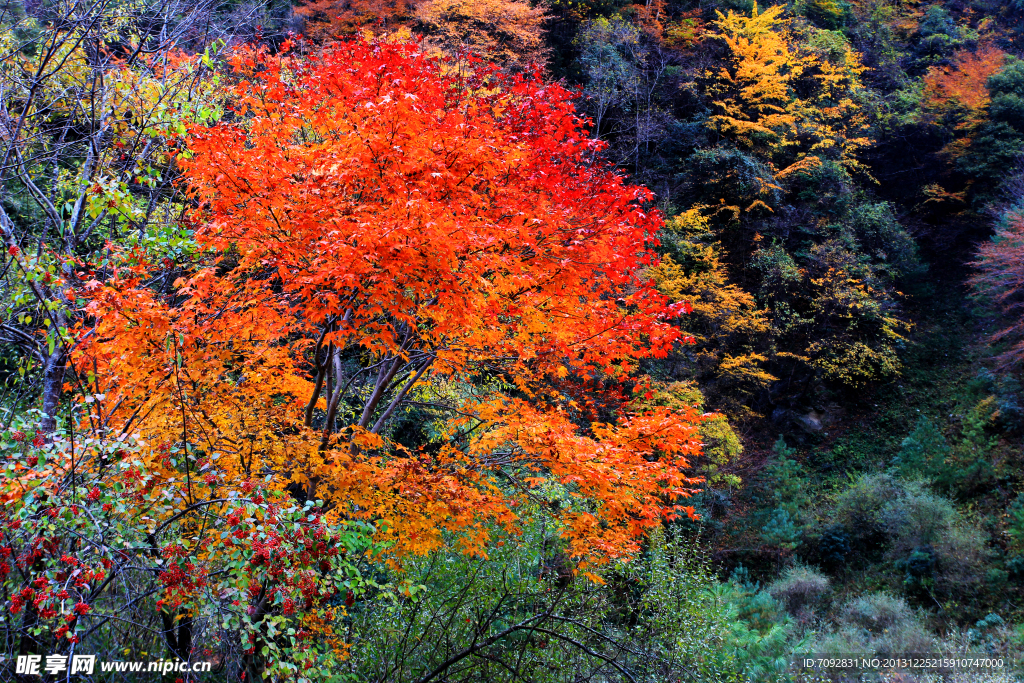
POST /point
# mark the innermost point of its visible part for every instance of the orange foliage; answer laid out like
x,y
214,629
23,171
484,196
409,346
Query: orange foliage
x,y
398,232
326,19
505,31
959,93
964,82
653,18
650,16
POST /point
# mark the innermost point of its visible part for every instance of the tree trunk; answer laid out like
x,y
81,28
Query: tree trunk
x,y
53,388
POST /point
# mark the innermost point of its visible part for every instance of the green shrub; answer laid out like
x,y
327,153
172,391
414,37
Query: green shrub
x,y
927,531
923,453
1015,524
984,629
859,510
781,531
877,624
825,13
966,467
911,638
787,480
800,588
917,517
880,234
829,549
919,569
662,616
920,531
877,613
997,145
759,642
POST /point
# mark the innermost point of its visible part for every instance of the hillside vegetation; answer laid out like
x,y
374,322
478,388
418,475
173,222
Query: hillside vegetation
x,y
537,340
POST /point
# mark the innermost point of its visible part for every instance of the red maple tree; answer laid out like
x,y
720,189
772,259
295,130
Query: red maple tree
x,y
395,233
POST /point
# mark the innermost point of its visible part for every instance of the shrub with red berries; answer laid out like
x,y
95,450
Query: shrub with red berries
x,y
109,544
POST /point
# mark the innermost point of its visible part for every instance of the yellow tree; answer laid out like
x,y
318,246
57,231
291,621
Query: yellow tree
x,y
88,103
785,96
726,323
752,91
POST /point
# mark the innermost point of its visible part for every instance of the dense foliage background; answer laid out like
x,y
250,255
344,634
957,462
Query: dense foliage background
x,y
342,340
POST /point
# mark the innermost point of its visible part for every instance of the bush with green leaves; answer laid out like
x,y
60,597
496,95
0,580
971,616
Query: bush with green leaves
x,y
922,533
938,34
801,588
858,510
966,467
876,624
787,480
828,14
997,146
877,612
761,635
923,453
828,548
520,615
984,629
781,531
1015,524
785,484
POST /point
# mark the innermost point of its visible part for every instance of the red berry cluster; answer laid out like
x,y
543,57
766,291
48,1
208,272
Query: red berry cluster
x,y
38,440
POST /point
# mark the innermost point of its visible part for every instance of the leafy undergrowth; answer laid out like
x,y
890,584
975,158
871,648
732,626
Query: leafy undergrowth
x,y
896,526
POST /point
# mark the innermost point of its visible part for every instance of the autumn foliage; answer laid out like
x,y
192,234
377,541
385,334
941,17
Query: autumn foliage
x,y
958,94
345,341
965,81
726,321
509,32
779,96
1000,280
326,20
391,232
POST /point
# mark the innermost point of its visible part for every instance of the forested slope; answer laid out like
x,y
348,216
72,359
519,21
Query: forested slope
x,y
549,340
